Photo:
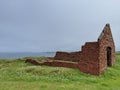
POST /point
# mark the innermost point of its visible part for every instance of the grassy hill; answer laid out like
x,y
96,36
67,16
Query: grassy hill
x,y
18,75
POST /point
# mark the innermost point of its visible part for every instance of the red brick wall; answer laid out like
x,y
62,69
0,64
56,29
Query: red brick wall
x,y
61,64
53,63
106,41
74,56
89,59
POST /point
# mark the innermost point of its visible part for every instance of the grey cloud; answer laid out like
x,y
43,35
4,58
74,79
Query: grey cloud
x,y
51,25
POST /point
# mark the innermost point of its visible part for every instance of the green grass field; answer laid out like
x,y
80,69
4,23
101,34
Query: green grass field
x,y
18,75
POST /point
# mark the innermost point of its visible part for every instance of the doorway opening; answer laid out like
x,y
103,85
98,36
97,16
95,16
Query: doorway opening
x,y
109,56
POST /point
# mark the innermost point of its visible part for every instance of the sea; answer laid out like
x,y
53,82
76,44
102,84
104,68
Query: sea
x,y
15,55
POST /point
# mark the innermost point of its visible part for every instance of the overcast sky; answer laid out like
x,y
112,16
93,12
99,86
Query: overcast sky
x,y
55,25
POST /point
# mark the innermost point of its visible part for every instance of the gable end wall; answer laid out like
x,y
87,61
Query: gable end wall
x,y
104,42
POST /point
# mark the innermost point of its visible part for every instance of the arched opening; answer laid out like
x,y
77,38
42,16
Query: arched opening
x,y
109,56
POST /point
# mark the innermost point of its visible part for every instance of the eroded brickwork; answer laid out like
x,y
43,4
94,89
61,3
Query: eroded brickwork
x,y
95,56
106,41
73,56
53,63
89,58
61,64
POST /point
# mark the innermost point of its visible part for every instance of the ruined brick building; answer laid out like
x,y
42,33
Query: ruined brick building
x,y
94,57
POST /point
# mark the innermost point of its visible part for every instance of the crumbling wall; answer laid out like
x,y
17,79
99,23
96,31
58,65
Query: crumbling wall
x,y
73,56
32,61
61,64
89,59
53,63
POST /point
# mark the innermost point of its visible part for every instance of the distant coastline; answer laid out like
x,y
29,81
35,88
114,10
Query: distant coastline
x,y
14,55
